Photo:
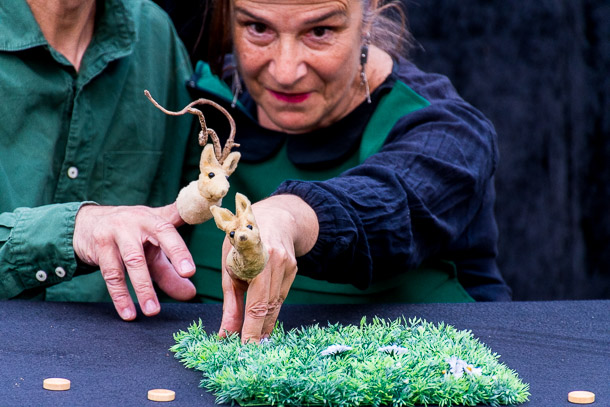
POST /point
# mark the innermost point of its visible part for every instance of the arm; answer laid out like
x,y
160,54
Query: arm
x,y
40,247
410,201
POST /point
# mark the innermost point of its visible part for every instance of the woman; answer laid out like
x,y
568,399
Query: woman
x,y
381,176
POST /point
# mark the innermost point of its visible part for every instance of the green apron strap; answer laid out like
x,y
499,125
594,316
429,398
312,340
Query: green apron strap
x,y
401,101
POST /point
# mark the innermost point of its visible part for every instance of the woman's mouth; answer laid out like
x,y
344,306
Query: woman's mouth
x,y
290,97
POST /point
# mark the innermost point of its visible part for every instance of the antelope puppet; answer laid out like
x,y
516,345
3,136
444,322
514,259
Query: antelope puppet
x,y
195,199
248,256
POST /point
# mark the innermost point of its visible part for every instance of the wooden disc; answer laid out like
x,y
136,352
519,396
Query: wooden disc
x,y
581,397
56,383
161,395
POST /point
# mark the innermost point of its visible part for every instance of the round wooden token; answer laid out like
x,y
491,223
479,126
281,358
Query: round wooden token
x,y
56,383
161,395
581,397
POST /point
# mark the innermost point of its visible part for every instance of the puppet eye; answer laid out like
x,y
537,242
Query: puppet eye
x,y
232,234
249,227
211,175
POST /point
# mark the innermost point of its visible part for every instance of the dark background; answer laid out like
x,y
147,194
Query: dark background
x,y
541,72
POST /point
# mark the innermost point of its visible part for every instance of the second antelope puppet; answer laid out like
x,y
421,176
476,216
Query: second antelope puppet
x,y
248,256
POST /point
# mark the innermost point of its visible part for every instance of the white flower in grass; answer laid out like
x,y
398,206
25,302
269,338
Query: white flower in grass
x,y
393,350
475,371
457,367
335,349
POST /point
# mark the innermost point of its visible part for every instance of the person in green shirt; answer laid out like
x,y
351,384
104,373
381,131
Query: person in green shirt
x,y
78,138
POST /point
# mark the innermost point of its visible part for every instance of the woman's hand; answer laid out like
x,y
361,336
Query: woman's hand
x,y
288,228
142,240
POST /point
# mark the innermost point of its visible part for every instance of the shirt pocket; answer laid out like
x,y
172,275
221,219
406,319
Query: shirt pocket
x,y
129,176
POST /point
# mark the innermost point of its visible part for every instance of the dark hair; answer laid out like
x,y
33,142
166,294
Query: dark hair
x,y
387,19
388,26
220,42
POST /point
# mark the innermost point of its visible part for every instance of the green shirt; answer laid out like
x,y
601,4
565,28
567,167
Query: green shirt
x,y
67,137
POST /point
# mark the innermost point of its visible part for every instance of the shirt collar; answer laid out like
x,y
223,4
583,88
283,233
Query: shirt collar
x,y
18,28
115,31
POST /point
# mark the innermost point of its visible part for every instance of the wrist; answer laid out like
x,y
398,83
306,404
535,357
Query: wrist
x,y
300,218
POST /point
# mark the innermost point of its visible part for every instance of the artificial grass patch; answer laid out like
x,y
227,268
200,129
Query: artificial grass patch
x,y
400,363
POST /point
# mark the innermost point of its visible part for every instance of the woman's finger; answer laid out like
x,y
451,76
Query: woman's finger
x,y
232,305
257,307
285,272
233,293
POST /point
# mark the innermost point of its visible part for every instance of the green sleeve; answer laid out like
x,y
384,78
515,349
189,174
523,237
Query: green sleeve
x,y
36,247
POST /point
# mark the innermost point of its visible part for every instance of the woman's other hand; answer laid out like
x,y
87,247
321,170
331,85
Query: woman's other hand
x,y
142,241
289,228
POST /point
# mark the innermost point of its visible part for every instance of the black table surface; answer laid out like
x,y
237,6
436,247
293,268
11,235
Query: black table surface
x,y
556,347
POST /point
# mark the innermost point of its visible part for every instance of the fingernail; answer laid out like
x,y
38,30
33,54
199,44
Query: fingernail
x,y
127,313
186,266
150,307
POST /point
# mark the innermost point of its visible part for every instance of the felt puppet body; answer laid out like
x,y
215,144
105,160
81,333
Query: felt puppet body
x,y
248,255
195,199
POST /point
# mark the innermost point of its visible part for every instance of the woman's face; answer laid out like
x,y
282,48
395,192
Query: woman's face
x,y
300,59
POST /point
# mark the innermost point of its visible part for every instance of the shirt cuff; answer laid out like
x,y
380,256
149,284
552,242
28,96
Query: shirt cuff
x,y
41,244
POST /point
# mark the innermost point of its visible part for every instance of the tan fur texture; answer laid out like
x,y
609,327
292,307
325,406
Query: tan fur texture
x,y
195,199
248,256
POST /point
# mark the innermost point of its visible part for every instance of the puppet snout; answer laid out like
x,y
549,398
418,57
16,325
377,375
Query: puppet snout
x,y
213,188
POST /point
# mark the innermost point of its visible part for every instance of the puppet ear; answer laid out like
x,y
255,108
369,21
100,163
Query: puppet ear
x,y
230,163
208,158
242,204
223,217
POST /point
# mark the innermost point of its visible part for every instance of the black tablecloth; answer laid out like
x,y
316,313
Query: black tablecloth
x,y
555,346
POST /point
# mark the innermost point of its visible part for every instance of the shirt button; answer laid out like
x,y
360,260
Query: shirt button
x,y
72,172
61,272
41,275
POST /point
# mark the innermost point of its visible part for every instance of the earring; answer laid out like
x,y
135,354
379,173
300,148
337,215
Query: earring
x,y
364,55
235,87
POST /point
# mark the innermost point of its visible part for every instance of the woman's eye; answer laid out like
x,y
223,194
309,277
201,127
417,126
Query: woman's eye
x,y
320,31
258,28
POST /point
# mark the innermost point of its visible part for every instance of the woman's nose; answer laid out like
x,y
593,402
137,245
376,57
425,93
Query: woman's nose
x,y
287,65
